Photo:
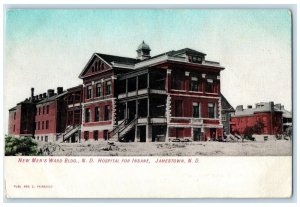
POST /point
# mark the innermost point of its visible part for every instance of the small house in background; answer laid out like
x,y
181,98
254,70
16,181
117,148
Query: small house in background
x,y
266,113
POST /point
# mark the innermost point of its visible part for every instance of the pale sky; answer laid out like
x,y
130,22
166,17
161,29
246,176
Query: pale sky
x,y
49,48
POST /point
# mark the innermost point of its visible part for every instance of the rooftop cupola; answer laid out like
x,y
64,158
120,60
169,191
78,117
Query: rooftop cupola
x,y
143,51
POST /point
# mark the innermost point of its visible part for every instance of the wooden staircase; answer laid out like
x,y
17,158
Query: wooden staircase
x,y
119,132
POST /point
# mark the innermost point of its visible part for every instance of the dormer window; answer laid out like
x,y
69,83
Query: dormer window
x,y
195,59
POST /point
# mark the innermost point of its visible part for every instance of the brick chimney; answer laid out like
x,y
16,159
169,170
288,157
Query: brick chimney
x,y
50,92
278,106
32,95
60,90
239,108
249,106
44,95
271,105
40,96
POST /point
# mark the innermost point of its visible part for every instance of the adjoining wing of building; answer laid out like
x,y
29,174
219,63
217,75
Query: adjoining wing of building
x,y
170,96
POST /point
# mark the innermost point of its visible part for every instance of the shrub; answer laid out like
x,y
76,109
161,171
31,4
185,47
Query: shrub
x,y
20,146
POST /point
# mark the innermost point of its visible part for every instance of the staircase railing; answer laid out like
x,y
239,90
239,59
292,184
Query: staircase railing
x,y
117,128
70,129
129,125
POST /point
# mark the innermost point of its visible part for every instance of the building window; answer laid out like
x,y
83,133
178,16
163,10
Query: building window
x,y
87,115
38,138
194,84
105,133
42,138
107,112
46,138
47,109
209,86
108,88
97,113
14,127
39,110
224,118
86,135
39,125
178,108
95,135
15,115
98,90
47,124
43,125
177,82
196,110
89,92
43,109
211,110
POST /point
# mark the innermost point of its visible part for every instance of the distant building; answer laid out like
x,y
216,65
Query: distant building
x,y
21,119
227,110
266,113
42,116
50,118
287,119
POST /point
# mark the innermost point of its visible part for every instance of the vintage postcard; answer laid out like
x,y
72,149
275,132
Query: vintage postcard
x,y
148,103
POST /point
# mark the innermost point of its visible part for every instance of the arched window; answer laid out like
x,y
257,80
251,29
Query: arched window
x,y
96,66
93,69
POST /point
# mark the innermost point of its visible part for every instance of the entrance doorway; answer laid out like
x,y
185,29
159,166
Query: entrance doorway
x,y
197,134
213,134
142,132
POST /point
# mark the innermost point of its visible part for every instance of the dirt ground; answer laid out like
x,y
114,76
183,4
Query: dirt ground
x,y
103,148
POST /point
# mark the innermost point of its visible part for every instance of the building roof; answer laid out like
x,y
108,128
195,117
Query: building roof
x,y
119,59
226,105
134,63
13,108
75,88
187,51
52,98
285,113
260,107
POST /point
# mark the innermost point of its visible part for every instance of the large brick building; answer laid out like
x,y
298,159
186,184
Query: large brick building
x,y
172,95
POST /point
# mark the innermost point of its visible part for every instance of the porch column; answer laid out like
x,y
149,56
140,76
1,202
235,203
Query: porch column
x,y
167,134
148,107
168,80
126,87
73,111
136,115
148,80
148,133
126,110
137,84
